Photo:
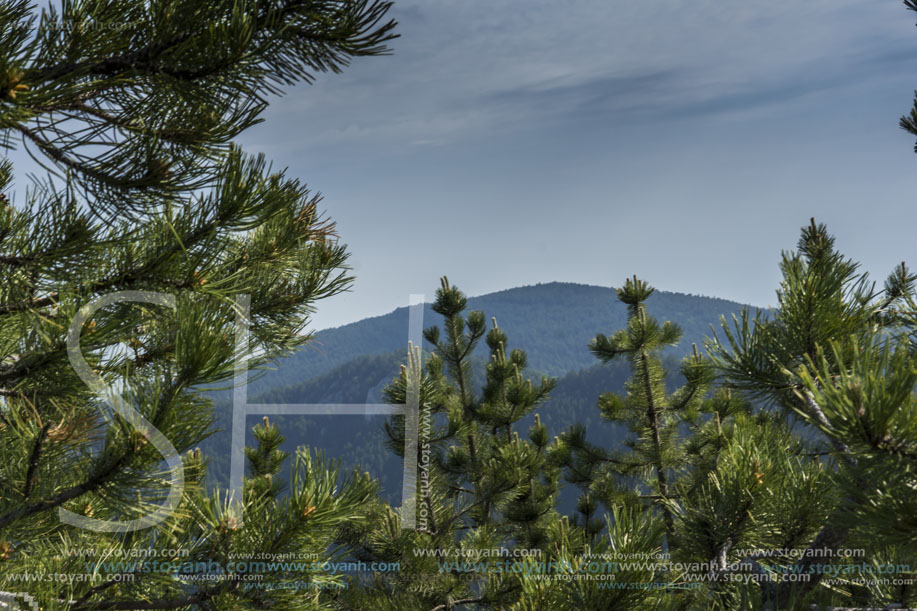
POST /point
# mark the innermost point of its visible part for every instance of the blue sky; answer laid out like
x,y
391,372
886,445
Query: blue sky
x,y
510,142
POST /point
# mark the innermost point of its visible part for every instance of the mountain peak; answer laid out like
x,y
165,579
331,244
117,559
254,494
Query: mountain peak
x,y
553,322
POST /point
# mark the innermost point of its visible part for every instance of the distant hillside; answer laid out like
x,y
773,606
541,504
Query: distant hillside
x,y
553,323
361,441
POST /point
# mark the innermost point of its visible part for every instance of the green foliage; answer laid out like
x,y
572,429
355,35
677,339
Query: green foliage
x,y
484,485
132,108
823,463
629,533
728,504
654,455
837,362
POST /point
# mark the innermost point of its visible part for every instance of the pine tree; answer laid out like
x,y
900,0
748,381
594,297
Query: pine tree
x,y
834,363
483,486
132,108
792,440
634,496
651,415
803,449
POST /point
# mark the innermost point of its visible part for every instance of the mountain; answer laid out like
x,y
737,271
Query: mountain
x,y
553,323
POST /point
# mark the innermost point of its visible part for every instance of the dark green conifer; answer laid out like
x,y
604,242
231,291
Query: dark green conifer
x,y
132,108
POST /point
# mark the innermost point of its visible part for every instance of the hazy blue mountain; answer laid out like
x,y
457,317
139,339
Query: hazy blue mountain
x,y
553,323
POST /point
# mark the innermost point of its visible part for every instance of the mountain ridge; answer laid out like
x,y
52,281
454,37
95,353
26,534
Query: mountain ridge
x,y
568,316
552,322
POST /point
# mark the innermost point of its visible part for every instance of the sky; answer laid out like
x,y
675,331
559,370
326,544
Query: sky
x,y
511,142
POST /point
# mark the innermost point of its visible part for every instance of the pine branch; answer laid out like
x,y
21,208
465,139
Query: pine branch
x,y
102,476
458,515
59,156
832,536
33,461
95,590
820,417
142,273
653,417
95,482
462,601
108,66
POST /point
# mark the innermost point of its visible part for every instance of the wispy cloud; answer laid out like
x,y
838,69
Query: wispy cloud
x,y
573,126
466,68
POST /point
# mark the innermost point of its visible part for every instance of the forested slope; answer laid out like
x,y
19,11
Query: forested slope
x,y
553,323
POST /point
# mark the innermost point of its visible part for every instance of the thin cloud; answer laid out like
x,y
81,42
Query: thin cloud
x,y
466,69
